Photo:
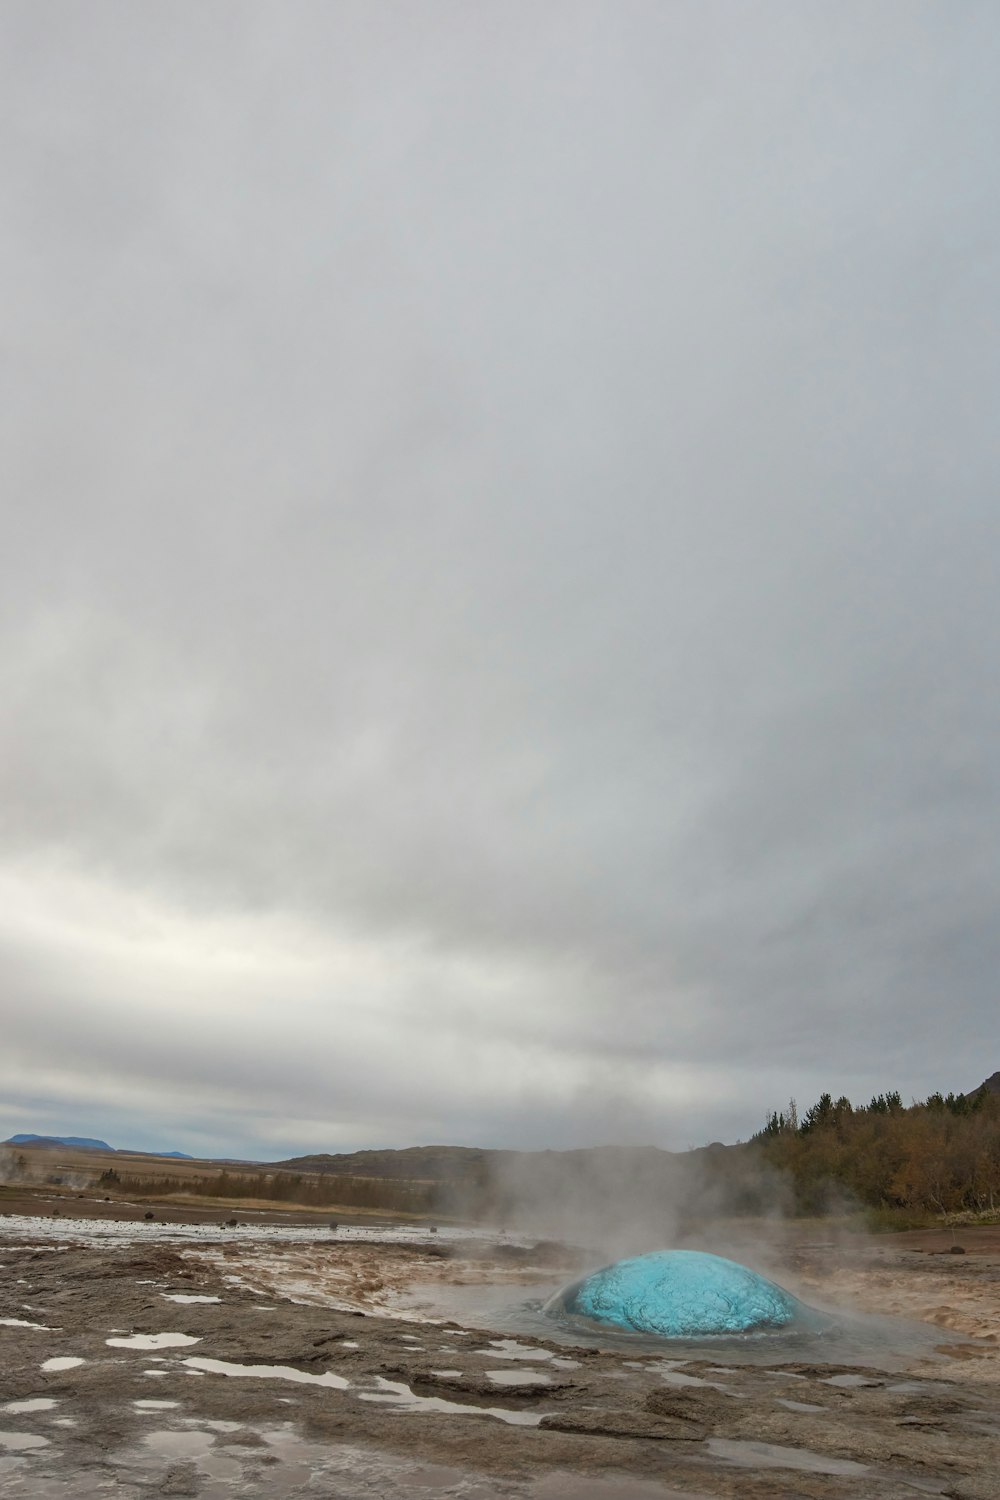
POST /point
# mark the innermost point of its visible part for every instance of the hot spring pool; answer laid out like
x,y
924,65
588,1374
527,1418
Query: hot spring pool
x,y
684,1294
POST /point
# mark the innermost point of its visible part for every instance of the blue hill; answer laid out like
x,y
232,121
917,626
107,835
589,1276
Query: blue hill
x,y
58,1140
86,1141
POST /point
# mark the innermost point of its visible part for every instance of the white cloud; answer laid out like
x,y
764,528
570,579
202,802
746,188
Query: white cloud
x,y
497,619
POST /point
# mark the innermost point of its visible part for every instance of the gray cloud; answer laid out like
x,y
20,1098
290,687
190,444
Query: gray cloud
x,y
498,621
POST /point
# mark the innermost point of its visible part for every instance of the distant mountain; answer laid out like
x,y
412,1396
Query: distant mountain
x,y
58,1140
991,1085
88,1145
446,1163
413,1163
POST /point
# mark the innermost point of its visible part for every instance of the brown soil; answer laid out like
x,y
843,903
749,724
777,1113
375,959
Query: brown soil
x,y
60,1202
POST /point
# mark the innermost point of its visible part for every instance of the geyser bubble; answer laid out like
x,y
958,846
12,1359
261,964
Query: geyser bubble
x,y
679,1294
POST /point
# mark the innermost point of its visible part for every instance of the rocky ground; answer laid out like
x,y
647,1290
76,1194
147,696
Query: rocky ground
x,y
122,1375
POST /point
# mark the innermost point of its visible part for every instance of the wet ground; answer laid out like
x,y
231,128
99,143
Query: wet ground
x,y
146,1360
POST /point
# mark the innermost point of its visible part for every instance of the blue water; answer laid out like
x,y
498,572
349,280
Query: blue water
x,y
683,1294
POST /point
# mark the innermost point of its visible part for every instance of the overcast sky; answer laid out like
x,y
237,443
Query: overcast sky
x,y
498,592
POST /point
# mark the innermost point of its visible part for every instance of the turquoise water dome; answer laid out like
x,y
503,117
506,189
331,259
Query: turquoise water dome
x,y
680,1293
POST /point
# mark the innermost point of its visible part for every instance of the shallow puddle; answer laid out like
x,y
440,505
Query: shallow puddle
x,y
395,1393
197,1447
511,1349
23,1323
153,1341
266,1372
798,1405
916,1388
581,1487
174,1444
750,1455
62,1362
34,1403
187,1297
518,1377
299,1466
22,1442
672,1376
155,1405
345,1473
677,1377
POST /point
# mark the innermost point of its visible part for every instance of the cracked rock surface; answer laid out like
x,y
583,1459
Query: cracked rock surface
x,y
281,1397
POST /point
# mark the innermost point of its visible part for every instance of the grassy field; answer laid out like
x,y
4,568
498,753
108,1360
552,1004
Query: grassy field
x,y
50,1174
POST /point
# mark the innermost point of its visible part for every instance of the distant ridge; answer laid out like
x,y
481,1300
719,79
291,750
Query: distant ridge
x,y
58,1140
991,1085
444,1163
87,1144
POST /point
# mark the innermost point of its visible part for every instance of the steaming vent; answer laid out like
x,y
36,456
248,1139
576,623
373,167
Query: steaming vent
x,y
680,1294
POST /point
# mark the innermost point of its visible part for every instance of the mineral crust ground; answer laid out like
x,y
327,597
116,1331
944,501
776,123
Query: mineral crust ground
x,y
368,1366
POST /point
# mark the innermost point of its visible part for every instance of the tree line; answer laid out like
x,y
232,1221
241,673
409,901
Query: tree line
x,y
938,1155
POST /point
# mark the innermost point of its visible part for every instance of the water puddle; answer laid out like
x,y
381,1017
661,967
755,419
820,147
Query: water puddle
x,y
171,1444
511,1349
448,1374
852,1382
22,1442
197,1447
581,1487
34,1403
916,1388
266,1372
670,1375
677,1377
62,1362
23,1323
155,1405
749,1455
187,1297
387,1392
518,1377
153,1341
798,1405
342,1472
395,1393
